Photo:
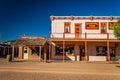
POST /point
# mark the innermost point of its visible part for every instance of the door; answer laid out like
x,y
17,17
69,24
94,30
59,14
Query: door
x,y
82,53
25,53
77,30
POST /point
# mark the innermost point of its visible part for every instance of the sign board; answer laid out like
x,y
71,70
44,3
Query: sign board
x,y
92,25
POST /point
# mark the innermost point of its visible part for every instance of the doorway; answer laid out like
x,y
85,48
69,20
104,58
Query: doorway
x,y
82,53
25,53
78,30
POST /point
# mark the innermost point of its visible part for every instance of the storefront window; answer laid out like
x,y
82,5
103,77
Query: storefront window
x,y
35,51
112,52
101,51
59,50
68,50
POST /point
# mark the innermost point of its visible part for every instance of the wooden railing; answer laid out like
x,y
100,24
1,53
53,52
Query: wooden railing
x,y
83,35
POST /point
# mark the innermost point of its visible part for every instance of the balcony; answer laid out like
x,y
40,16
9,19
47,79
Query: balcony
x,y
83,36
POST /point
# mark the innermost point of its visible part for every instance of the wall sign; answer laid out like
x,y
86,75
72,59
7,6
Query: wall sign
x,y
92,25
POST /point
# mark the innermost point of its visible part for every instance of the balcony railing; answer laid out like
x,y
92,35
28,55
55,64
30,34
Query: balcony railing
x,y
83,35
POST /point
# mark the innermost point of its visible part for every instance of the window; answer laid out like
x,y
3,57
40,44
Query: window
x,y
112,52
35,51
67,27
68,50
103,27
59,50
25,50
101,51
111,25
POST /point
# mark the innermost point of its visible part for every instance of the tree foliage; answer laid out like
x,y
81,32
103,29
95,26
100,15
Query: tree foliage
x,y
117,30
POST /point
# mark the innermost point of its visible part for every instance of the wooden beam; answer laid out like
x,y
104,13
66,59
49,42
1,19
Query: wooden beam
x,y
85,50
13,53
40,53
108,51
49,51
8,50
63,50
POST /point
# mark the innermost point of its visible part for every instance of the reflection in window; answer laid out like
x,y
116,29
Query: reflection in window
x,y
102,29
67,27
112,52
35,51
68,50
59,50
101,51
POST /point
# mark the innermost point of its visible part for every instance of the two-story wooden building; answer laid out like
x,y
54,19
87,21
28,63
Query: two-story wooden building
x,y
84,38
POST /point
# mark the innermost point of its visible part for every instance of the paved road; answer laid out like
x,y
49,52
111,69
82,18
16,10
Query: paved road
x,y
58,71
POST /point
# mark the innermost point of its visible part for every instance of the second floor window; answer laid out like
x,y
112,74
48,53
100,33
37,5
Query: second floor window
x,y
103,27
67,27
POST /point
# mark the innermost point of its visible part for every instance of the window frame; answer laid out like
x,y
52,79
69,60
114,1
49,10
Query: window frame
x,y
103,25
67,25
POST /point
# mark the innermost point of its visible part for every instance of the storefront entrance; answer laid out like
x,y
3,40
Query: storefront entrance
x,y
25,53
82,53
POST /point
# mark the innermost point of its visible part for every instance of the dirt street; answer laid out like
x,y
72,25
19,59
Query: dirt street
x,y
58,71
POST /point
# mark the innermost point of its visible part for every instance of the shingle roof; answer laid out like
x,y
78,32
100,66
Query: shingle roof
x,y
30,42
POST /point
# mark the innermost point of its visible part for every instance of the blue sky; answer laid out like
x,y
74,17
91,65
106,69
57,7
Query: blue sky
x,y
32,17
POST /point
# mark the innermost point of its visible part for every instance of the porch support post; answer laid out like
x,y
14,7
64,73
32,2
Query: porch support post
x,y
85,50
108,51
49,50
8,51
63,50
4,51
40,53
13,53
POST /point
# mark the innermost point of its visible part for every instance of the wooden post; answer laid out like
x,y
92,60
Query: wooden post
x,y
63,35
13,53
49,51
8,51
63,50
45,57
108,51
107,35
85,50
4,51
85,35
40,53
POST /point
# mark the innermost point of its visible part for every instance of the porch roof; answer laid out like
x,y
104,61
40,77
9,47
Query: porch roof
x,y
30,42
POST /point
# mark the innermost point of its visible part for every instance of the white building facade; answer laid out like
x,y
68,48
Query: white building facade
x,y
84,38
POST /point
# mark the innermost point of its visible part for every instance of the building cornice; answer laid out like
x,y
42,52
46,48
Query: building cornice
x,y
84,17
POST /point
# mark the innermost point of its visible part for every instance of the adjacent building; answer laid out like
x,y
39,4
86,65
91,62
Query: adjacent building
x,y
31,47
84,38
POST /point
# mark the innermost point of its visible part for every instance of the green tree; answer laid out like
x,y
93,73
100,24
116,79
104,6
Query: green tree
x,y
117,30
